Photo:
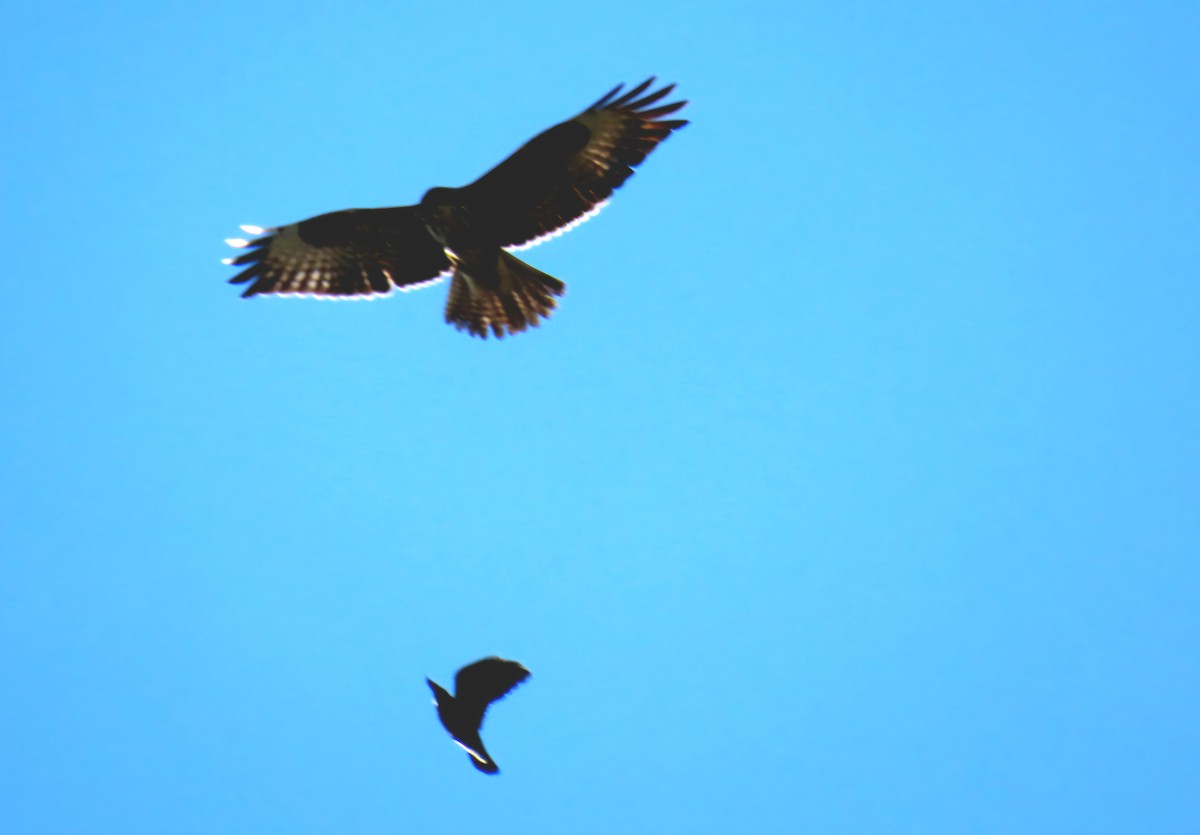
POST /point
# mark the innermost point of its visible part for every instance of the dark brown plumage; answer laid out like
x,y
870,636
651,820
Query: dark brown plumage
x,y
553,182
475,687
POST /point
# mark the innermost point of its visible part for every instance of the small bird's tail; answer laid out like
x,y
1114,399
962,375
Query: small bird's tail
x,y
486,765
508,298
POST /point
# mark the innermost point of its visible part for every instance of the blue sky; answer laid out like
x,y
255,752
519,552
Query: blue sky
x,y
851,489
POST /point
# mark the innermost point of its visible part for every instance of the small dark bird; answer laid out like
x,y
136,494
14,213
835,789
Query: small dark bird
x,y
475,687
558,179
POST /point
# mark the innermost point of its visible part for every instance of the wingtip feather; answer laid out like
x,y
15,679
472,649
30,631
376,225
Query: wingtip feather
x,y
604,100
632,94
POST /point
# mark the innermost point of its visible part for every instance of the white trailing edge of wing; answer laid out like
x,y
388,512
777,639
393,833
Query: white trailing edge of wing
x,y
360,297
586,216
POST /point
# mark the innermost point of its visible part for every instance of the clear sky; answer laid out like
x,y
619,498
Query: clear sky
x,y
853,488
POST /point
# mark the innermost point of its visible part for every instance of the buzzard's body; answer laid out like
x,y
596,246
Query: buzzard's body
x,y
475,687
556,180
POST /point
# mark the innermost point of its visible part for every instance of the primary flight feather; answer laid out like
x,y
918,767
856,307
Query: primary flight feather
x,y
554,181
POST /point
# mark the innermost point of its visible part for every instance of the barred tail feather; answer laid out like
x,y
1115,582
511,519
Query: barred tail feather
x,y
515,298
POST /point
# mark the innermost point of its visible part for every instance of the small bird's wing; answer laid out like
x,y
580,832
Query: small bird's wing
x,y
565,174
478,685
351,253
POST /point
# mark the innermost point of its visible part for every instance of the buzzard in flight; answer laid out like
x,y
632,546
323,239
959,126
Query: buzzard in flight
x,y
554,181
475,687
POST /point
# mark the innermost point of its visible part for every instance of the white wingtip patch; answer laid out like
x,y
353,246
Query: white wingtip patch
x,y
250,229
237,243
227,262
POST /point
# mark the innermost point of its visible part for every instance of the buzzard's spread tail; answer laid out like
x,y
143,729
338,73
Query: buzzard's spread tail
x,y
512,298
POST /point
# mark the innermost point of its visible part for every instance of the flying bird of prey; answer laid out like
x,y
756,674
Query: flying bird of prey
x,y
554,181
475,687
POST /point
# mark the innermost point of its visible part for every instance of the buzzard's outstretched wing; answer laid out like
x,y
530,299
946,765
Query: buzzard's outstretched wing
x,y
356,252
478,685
566,173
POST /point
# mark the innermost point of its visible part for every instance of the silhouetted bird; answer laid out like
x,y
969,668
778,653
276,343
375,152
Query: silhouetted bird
x,y
553,182
475,687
